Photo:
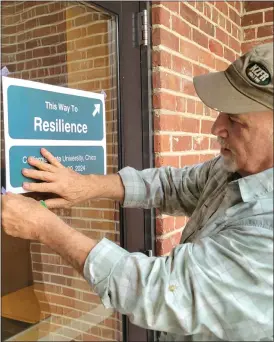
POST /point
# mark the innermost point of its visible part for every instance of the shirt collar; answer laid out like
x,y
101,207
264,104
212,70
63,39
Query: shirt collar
x,y
256,186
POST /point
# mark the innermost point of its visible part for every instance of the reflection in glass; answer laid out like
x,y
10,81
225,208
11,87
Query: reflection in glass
x,y
70,44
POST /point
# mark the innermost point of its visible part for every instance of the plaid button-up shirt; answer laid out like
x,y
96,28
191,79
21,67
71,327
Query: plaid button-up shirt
x,y
218,283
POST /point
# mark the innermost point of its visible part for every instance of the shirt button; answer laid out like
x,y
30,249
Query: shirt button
x,y
172,288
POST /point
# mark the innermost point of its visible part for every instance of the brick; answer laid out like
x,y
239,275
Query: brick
x,y
164,246
236,32
234,44
205,157
160,15
180,221
234,16
189,50
188,87
249,34
249,45
189,125
181,143
200,143
229,55
222,36
216,47
222,7
252,19
238,6
206,126
167,123
161,143
215,15
176,123
269,16
180,104
190,160
41,52
182,66
188,14
199,109
200,38
199,5
181,27
191,106
166,161
206,27
199,70
207,59
163,100
161,58
164,225
163,37
207,10
228,26
166,80
173,6
265,31
214,145
257,5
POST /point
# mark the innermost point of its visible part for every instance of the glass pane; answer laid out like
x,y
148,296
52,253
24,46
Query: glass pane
x,y
70,44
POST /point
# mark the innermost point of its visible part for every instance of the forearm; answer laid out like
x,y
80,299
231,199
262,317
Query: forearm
x,y
110,186
67,242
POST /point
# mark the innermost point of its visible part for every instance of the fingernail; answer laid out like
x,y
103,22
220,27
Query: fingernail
x,y
25,185
30,159
24,170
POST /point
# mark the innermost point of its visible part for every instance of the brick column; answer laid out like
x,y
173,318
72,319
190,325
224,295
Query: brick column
x,y
189,38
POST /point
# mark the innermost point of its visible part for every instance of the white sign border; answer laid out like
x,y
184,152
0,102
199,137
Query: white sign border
x,y
9,142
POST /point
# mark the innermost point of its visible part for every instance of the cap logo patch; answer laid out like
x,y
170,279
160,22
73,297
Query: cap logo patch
x,y
258,74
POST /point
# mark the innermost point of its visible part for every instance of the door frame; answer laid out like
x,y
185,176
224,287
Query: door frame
x,y
135,132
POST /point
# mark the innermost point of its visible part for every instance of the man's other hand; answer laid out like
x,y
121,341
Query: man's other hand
x,y
71,186
24,217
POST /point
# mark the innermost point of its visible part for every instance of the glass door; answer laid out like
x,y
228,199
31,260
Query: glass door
x,y
87,46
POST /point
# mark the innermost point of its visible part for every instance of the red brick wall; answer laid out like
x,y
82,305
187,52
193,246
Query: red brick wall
x,y
191,38
257,23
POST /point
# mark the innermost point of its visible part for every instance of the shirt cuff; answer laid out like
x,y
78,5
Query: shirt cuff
x,y
135,189
99,266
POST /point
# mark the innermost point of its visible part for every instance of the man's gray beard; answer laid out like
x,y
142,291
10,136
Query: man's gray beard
x,y
229,163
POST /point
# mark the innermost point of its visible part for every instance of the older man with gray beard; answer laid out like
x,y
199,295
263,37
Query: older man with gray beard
x,y
217,284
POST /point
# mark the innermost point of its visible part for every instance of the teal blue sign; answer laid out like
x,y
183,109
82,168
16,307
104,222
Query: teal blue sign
x,y
70,123
82,159
42,114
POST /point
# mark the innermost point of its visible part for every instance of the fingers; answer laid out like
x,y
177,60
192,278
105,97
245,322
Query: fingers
x,y
40,187
56,203
40,165
51,159
41,175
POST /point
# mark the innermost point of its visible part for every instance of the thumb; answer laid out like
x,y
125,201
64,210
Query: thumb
x,y
55,203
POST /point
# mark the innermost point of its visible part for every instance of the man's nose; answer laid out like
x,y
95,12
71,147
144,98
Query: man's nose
x,y
219,127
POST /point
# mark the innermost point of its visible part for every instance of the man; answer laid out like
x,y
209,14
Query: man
x,y
218,283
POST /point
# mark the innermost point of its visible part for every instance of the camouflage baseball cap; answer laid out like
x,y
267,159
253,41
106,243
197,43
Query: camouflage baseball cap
x,y
245,86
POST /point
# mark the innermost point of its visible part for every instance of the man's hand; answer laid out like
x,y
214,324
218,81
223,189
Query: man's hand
x,y
24,217
68,184
71,186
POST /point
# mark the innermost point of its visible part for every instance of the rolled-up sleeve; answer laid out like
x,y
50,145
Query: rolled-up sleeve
x,y
221,285
172,190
